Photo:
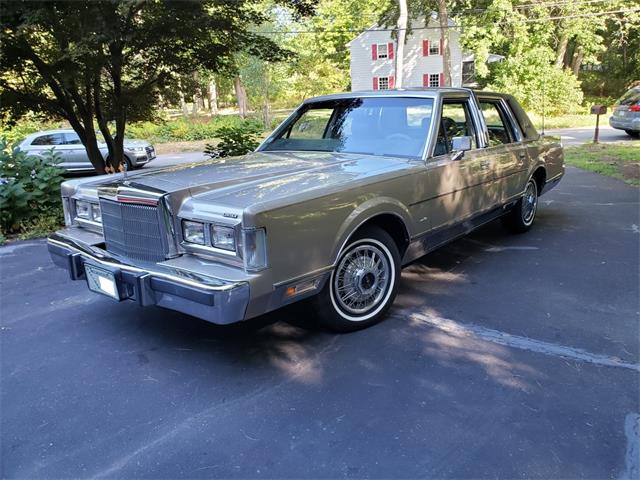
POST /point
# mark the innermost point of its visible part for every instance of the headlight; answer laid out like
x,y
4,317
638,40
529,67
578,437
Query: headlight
x,y
96,214
193,232
83,210
254,243
137,149
223,237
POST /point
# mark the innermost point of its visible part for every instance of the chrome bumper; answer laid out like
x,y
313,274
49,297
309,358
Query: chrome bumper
x,y
208,298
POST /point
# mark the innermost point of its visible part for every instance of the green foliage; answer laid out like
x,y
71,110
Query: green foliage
x,y
235,140
29,187
537,83
182,129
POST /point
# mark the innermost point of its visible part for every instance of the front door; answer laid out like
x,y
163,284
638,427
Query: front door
x,y
458,186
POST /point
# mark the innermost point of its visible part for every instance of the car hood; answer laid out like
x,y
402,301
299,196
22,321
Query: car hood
x,y
262,177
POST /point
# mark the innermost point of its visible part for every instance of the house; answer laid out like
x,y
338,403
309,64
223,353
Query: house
x,y
373,59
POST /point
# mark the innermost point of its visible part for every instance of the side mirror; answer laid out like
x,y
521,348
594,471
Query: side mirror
x,y
459,145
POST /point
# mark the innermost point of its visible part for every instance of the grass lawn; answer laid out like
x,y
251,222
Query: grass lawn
x,y
568,121
614,160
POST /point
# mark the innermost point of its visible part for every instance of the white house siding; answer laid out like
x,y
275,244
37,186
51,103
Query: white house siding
x,y
364,68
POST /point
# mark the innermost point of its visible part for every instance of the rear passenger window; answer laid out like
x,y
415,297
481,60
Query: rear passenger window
x,y
500,131
51,139
72,139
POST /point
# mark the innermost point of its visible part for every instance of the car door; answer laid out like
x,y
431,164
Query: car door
x,y
76,157
45,143
506,147
459,185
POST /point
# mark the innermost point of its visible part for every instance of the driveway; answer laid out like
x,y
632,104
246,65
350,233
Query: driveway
x,y
578,136
504,356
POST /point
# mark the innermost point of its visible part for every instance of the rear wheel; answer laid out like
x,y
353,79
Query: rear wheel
x,y
520,218
364,283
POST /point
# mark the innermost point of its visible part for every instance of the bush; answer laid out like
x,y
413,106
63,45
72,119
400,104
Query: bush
x,y
29,187
235,140
538,84
183,129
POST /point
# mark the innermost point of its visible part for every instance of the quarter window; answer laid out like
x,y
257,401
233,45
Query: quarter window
x,y
72,139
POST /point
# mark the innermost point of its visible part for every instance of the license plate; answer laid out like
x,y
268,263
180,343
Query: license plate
x,y
102,281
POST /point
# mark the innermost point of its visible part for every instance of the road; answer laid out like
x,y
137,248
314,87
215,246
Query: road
x,y
504,356
577,136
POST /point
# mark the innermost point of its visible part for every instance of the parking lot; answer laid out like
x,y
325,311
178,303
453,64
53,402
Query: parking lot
x,y
504,356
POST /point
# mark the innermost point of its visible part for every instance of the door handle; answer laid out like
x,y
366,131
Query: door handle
x,y
522,155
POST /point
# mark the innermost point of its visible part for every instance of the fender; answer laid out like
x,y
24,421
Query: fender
x,y
365,212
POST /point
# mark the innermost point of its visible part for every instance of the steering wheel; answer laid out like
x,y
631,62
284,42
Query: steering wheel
x,y
398,137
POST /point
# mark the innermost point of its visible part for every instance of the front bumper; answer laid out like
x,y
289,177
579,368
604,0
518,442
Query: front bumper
x,y
208,298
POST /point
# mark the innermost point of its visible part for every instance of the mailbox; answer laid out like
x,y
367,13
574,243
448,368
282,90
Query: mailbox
x,y
599,109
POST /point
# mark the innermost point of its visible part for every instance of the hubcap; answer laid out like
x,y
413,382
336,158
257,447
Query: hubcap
x,y
361,279
529,202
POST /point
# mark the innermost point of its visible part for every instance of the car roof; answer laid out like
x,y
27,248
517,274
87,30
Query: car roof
x,y
51,132
398,92
413,92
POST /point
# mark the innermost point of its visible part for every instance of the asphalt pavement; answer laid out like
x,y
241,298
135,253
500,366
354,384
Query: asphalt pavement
x,y
505,356
578,136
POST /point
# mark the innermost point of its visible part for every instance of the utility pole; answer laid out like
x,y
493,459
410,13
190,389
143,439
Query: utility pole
x,y
402,33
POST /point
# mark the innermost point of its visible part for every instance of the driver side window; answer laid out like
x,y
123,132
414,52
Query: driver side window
x,y
455,121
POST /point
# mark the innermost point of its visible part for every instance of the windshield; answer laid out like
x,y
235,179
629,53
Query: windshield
x,y
378,126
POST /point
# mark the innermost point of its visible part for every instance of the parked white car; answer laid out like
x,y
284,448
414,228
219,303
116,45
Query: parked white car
x,y
67,143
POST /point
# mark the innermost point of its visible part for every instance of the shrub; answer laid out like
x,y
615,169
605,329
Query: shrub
x,y
29,187
538,84
235,140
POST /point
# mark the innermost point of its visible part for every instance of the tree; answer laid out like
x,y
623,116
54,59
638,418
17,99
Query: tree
x,y
403,16
108,61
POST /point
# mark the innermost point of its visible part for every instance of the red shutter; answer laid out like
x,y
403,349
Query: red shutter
x,y
374,52
425,80
442,80
392,82
390,50
425,48
441,46
375,83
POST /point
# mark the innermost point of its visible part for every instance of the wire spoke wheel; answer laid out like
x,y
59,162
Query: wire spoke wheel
x,y
362,279
529,203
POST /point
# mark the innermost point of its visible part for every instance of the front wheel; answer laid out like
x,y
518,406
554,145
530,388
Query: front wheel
x,y
520,218
364,283
633,133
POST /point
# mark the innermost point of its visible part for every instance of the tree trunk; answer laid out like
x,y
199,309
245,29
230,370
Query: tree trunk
x,y
443,16
577,60
212,93
561,50
241,95
402,34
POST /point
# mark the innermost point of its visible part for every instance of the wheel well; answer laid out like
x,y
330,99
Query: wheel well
x,y
393,225
540,176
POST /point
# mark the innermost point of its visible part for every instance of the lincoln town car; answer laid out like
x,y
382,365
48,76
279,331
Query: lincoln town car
x,y
344,193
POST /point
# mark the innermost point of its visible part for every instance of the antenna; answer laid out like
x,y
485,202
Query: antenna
x,y
543,106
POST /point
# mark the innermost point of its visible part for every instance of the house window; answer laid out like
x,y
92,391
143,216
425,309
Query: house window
x,y
383,83
434,79
383,51
434,48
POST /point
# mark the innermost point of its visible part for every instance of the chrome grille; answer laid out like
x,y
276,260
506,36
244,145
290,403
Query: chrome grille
x,y
132,230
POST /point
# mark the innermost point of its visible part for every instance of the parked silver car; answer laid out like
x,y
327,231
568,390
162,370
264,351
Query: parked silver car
x,y
74,156
626,113
350,188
